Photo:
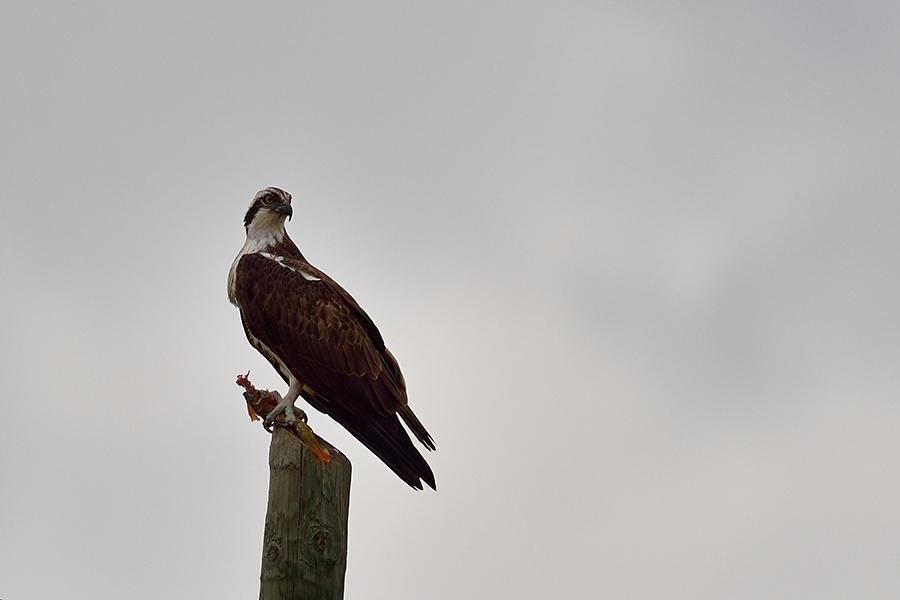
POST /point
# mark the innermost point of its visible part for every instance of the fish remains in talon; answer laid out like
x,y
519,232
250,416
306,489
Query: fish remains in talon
x,y
260,404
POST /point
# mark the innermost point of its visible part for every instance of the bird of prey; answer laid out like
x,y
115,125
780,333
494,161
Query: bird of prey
x,y
321,342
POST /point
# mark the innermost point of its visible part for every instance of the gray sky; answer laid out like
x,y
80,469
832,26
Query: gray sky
x,y
639,262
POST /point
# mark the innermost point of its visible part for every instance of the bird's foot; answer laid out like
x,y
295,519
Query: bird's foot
x,y
284,413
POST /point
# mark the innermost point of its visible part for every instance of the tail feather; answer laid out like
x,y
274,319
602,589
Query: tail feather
x,y
412,421
390,442
387,439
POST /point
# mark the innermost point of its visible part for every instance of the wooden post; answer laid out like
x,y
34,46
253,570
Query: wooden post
x,y
305,541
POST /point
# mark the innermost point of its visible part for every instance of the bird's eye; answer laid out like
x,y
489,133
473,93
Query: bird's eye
x,y
268,200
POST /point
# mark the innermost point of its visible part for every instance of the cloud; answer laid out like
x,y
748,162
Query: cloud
x,y
638,264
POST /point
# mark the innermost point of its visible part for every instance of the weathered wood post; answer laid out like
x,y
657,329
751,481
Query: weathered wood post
x,y
305,541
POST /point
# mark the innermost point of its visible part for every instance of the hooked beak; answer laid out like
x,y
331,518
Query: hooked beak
x,y
285,209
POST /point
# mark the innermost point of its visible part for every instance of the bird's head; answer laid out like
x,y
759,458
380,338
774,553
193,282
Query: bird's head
x,y
268,210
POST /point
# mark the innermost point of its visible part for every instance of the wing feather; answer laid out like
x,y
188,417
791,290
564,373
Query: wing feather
x,y
323,336
313,331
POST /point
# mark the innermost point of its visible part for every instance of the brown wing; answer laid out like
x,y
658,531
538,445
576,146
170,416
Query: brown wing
x,y
331,345
316,328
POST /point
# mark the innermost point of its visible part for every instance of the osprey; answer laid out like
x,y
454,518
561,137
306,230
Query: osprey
x,y
324,346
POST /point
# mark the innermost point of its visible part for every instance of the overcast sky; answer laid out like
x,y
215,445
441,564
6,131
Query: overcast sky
x,y
639,261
